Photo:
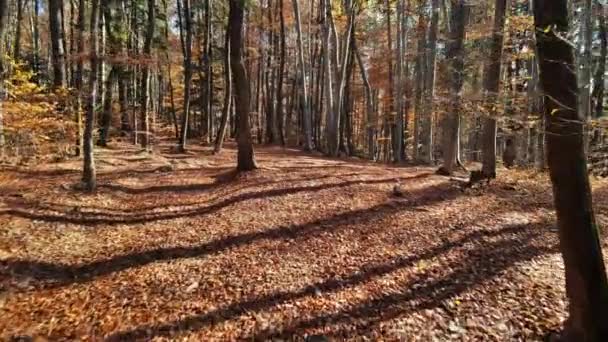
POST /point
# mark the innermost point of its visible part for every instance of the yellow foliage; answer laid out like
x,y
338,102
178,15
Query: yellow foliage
x,y
34,125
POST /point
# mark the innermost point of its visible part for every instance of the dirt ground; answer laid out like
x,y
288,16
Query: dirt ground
x,y
179,247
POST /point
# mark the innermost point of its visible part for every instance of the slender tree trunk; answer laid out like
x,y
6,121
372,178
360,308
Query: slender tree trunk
x,y
598,89
420,89
36,37
330,113
187,52
307,116
491,86
219,140
245,155
145,78
88,175
209,70
106,116
369,105
280,116
455,55
3,24
58,54
17,45
398,148
429,87
586,284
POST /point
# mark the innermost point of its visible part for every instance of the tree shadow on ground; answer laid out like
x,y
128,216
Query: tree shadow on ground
x,y
425,291
21,209
49,275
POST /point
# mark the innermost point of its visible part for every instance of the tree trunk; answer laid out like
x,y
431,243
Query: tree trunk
x,y
369,104
429,87
398,148
88,174
106,116
209,70
17,45
3,24
187,52
598,89
36,36
586,284
585,61
145,78
330,112
455,55
280,76
245,156
307,118
491,84
219,140
58,54
420,84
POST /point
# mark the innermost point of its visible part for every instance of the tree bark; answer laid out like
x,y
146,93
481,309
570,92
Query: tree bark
x,y
429,87
36,36
219,140
209,70
598,89
307,118
420,84
455,55
187,52
491,85
280,115
398,148
330,110
245,155
17,45
586,284
58,54
369,104
3,24
145,78
88,174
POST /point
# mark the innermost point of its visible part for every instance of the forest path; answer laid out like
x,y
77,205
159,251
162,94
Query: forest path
x,y
178,246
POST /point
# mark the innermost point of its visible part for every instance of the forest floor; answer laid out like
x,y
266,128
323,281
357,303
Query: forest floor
x,y
176,246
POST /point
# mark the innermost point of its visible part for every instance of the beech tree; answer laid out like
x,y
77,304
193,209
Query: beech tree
x,y
89,175
586,284
245,157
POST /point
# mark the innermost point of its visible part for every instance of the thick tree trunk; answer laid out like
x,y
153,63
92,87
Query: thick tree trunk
x,y
586,284
88,174
455,55
491,84
245,156
58,54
